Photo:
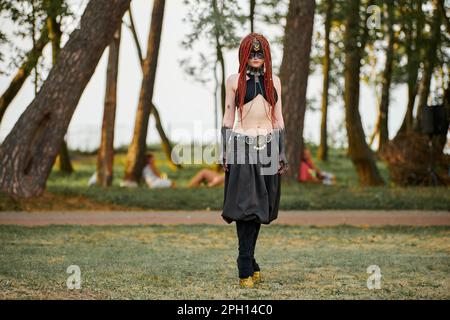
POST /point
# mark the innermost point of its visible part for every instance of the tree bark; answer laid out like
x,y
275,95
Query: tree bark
x,y
23,72
105,159
294,77
386,79
135,38
414,37
136,151
358,149
54,34
220,58
29,151
64,162
165,141
322,153
252,15
429,64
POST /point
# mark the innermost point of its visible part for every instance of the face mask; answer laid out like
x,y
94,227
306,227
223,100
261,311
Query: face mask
x,y
256,55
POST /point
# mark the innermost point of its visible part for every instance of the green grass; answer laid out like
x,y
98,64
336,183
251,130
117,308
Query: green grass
x,y
347,194
199,262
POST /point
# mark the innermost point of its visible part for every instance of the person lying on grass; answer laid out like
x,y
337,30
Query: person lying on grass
x,y
210,177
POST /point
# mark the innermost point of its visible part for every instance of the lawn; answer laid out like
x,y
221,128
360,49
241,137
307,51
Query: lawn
x,y
67,192
199,261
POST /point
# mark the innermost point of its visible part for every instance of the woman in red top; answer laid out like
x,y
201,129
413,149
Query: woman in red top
x,y
308,172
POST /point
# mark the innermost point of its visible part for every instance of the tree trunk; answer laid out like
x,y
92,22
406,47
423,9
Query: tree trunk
x,y
294,77
376,131
165,141
222,82
413,36
105,159
220,58
429,64
358,149
23,72
135,38
252,15
386,79
54,34
64,158
136,151
29,151
322,153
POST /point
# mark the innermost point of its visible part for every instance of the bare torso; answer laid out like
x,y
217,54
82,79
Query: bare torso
x,y
256,116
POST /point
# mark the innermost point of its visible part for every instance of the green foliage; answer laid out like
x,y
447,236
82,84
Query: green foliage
x,y
216,23
412,20
28,19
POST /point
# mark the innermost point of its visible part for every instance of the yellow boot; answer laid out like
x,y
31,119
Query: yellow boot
x,y
246,282
256,277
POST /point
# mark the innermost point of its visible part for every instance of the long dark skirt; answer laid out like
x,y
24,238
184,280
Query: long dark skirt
x,y
252,190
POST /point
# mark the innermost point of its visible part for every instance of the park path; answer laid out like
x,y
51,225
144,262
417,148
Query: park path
x,y
294,217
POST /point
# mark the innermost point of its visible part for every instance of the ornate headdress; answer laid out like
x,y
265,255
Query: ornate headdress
x,y
256,49
256,45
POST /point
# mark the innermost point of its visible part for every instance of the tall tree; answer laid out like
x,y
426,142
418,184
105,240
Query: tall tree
x,y
136,151
105,157
294,72
252,15
386,78
414,19
322,152
167,145
429,63
219,53
358,150
54,8
29,151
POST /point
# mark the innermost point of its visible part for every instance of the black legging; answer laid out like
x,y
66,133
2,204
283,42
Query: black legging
x,y
247,232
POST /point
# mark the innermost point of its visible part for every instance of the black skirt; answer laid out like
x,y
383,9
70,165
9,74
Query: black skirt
x,y
252,185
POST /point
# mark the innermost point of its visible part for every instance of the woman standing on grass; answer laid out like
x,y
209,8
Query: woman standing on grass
x,y
253,151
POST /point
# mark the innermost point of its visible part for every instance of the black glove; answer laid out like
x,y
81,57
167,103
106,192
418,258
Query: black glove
x,y
226,133
284,166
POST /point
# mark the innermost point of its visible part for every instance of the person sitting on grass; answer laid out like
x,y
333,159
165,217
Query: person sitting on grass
x,y
151,175
308,172
210,177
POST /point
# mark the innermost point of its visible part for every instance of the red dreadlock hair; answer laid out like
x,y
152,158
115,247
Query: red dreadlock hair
x,y
244,53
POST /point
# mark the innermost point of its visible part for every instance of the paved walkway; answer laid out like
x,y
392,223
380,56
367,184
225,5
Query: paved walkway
x,y
298,217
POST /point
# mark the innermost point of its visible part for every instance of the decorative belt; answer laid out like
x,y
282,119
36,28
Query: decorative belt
x,y
259,141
